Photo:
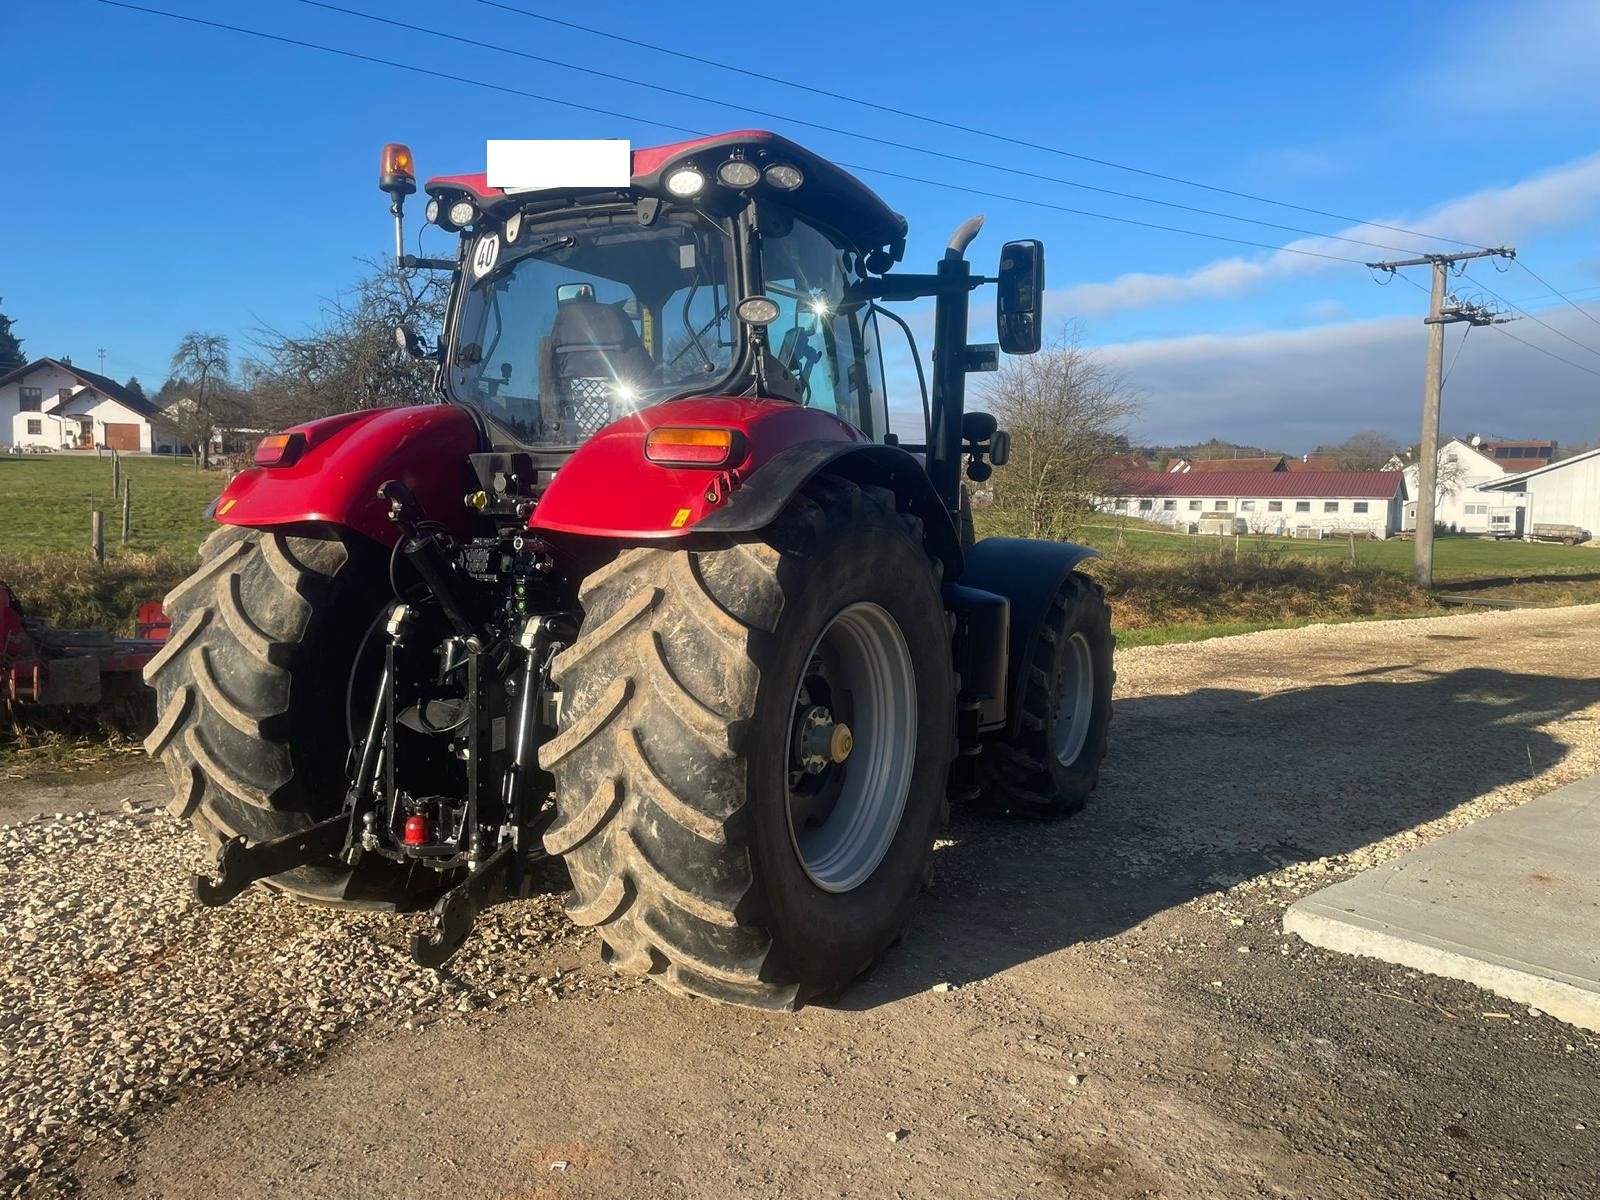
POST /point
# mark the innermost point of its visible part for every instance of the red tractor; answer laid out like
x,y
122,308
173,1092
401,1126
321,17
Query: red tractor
x,y
652,588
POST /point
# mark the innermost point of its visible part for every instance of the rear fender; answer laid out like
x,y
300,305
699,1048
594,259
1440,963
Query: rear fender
x,y
1028,573
609,489
335,479
764,495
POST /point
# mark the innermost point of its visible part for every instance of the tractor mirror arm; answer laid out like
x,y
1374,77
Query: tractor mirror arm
x,y
914,287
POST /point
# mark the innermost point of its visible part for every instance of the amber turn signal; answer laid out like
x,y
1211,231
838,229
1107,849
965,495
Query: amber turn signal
x,y
279,449
397,173
677,446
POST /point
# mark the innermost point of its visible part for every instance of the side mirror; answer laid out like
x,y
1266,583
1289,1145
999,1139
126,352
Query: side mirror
x,y
408,342
1000,448
1019,307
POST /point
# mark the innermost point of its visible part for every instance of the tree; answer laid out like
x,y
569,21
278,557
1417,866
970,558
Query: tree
x,y
349,360
201,363
1066,411
1368,450
11,355
134,388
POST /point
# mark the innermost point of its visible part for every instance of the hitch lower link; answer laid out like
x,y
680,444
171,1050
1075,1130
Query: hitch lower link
x,y
239,864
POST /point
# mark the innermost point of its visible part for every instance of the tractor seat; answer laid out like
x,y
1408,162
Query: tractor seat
x,y
593,348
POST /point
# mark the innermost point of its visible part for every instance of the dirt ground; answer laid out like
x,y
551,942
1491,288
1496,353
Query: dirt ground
x,y
1105,1008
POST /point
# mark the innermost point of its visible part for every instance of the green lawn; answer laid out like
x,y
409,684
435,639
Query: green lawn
x,y
45,502
1455,557
46,499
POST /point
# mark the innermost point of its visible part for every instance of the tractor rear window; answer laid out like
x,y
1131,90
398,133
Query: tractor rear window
x,y
579,322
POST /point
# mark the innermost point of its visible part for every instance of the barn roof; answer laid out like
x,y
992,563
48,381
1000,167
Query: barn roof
x,y
1356,485
1510,482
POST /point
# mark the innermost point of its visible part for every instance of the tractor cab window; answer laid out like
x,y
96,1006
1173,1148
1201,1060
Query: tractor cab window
x,y
828,345
581,321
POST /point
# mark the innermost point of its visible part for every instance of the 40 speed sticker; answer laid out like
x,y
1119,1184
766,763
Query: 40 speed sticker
x,y
485,255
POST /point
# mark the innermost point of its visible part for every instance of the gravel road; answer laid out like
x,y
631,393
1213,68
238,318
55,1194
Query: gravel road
x,y
1103,1008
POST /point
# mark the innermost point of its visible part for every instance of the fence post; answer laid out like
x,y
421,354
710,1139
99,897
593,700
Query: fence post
x,y
97,534
116,474
127,508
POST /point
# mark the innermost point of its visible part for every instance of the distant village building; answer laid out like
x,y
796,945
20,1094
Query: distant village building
x,y
1557,493
50,404
1460,503
1211,466
1285,503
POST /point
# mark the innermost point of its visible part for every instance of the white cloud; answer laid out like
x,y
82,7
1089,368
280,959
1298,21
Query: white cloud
x,y
1531,56
1553,198
1294,389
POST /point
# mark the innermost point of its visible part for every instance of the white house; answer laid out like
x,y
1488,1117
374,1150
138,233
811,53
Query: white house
x,y
1293,503
1458,501
52,404
1558,493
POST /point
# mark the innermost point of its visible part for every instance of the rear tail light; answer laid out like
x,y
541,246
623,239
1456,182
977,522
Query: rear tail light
x,y
687,447
279,449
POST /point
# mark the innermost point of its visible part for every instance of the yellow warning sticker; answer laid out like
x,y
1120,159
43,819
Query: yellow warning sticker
x,y
222,510
679,520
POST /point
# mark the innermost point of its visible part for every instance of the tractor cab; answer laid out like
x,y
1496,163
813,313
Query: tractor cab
x,y
730,266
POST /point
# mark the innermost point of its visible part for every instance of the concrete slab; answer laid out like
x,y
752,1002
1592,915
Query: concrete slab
x,y
1510,903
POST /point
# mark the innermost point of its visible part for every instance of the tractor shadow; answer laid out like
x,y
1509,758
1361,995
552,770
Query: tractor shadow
x,y
1206,789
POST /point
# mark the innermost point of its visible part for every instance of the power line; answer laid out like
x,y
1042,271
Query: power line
x,y
955,125
1547,353
1538,320
839,131
1456,357
513,91
1558,292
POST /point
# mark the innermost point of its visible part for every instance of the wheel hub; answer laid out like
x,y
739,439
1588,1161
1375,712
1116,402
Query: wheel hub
x,y
852,747
819,741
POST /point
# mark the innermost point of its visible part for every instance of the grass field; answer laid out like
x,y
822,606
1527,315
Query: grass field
x,y
45,502
1167,587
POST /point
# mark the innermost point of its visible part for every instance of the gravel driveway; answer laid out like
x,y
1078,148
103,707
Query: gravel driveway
x,y
1102,1008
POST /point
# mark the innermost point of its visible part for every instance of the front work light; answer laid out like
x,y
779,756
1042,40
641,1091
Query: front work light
x,y
784,177
757,310
279,449
737,173
681,446
685,182
462,213
397,170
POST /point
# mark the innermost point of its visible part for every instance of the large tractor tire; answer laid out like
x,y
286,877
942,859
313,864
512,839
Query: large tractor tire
x,y
753,750
1048,769
250,693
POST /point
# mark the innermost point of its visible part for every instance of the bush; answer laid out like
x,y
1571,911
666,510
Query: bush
x,y
1214,584
70,591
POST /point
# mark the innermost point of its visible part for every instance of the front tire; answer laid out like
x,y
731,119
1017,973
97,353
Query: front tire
x,y
1048,769
703,685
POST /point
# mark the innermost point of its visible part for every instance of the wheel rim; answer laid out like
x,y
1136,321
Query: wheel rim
x,y
1074,708
844,812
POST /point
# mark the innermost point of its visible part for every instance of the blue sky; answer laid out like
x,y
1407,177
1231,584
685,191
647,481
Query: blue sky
x,y
195,179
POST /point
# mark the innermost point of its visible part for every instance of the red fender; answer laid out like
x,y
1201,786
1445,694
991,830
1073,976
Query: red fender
x,y
609,489
346,458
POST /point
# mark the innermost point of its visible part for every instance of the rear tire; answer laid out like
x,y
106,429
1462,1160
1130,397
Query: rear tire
x,y
1047,771
672,761
250,694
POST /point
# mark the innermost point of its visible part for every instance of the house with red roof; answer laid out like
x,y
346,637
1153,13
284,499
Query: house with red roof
x,y
1283,503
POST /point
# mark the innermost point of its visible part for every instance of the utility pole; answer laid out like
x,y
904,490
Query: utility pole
x,y
102,360
1440,314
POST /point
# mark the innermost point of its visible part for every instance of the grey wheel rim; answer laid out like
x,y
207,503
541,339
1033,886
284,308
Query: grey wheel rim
x,y
844,813
1074,707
